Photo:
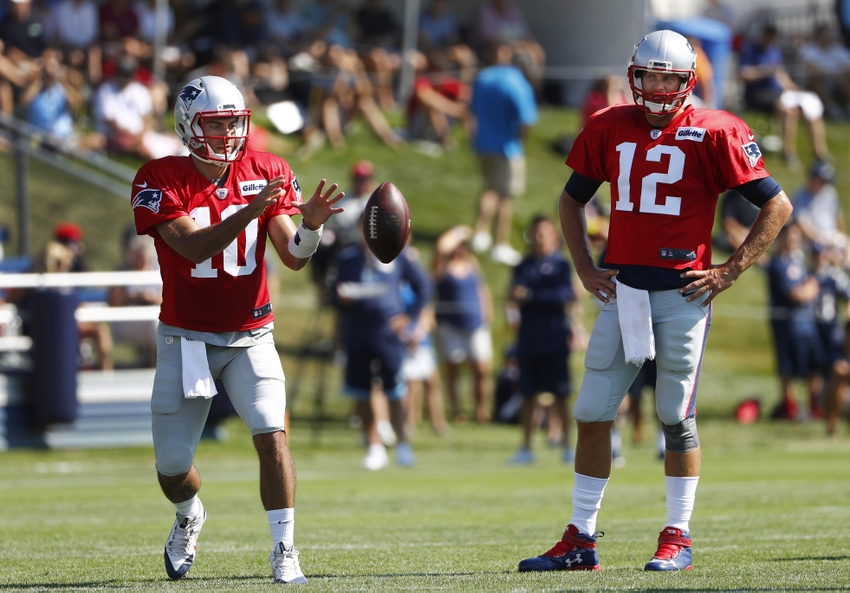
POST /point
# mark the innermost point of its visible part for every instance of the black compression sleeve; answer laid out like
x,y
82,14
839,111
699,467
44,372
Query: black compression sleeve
x,y
581,188
759,191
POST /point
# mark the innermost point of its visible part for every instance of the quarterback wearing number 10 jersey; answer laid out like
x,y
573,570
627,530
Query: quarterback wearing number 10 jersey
x,y
665,182
172,187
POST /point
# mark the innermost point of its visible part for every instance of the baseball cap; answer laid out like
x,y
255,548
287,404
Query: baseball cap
x,y
68,232
363,169
822,170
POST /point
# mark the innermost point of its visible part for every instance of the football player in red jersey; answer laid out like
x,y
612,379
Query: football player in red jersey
x,y
667,162
210,214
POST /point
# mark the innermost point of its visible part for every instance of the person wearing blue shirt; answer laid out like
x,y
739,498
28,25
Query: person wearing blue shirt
x,y
792,295
503,108
373,319
464,310
834,291
542,290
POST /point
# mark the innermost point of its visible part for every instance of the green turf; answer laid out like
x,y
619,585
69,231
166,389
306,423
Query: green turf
x,y
772,514
772,508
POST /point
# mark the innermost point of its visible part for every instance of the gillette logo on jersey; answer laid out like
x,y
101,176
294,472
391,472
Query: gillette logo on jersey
x,y
695,134
253,187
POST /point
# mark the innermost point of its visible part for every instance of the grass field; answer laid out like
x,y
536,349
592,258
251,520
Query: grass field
x,y
772,508
772,514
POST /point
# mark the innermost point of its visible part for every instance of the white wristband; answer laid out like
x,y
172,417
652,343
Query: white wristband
x,y
304,242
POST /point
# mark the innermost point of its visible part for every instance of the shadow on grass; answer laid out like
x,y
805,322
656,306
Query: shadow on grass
x,y
799,558
398,575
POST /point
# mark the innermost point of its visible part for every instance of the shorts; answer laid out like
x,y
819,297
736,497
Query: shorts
x,y
459,345
681,330
419,364
253,378
799,353
367,361
505,176
806,101
544,374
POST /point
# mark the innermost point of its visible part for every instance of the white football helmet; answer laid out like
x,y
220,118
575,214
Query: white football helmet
x,y
211,97
665,52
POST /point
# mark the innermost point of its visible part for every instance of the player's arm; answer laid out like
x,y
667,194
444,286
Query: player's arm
x,y
775,211
578,192
198,244
296,245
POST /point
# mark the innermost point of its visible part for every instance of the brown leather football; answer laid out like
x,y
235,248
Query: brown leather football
x,y
386,222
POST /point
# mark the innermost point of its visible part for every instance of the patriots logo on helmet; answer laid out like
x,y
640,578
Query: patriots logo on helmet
x,y
753,152
148,198
189,94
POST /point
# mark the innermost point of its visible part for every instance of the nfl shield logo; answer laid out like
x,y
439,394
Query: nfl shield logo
x,y
221,193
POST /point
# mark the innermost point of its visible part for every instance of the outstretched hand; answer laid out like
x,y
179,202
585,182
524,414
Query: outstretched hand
x,y
321,206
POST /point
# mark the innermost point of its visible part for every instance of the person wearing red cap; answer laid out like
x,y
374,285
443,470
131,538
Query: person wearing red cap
x,y
70,235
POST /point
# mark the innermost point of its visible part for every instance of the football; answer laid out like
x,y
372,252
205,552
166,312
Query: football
x,y
386,222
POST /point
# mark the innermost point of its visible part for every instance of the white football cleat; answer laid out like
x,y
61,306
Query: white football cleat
x,y
181,544
376,458
285,567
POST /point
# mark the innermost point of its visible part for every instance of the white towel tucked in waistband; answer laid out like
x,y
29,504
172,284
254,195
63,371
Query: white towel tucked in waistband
x,y
197,379
635,324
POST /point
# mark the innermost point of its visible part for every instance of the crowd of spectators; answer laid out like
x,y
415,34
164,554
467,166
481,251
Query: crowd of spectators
x,y
67,66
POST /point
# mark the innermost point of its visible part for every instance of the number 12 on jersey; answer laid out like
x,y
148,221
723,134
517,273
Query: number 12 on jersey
x,y
649,202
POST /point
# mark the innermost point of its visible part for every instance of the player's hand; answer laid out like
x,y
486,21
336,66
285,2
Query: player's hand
x,y
520,293
712,280
600,283
399,324
268,196
321,206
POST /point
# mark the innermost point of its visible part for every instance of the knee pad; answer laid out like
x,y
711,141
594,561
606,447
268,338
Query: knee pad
x,y
174,461
681,437
596,401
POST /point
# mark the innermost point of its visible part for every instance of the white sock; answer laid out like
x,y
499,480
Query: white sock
x,y
681,493
190,508
282,525
587,498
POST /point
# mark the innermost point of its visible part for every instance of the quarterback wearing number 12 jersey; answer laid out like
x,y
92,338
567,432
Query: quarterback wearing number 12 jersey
x,y
172,187
665,182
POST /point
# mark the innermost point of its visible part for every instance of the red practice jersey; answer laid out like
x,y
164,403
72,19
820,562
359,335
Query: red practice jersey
x,y
227,292
665,182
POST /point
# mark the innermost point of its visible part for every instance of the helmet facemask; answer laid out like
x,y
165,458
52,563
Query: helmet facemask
x,y
234,137
660,103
